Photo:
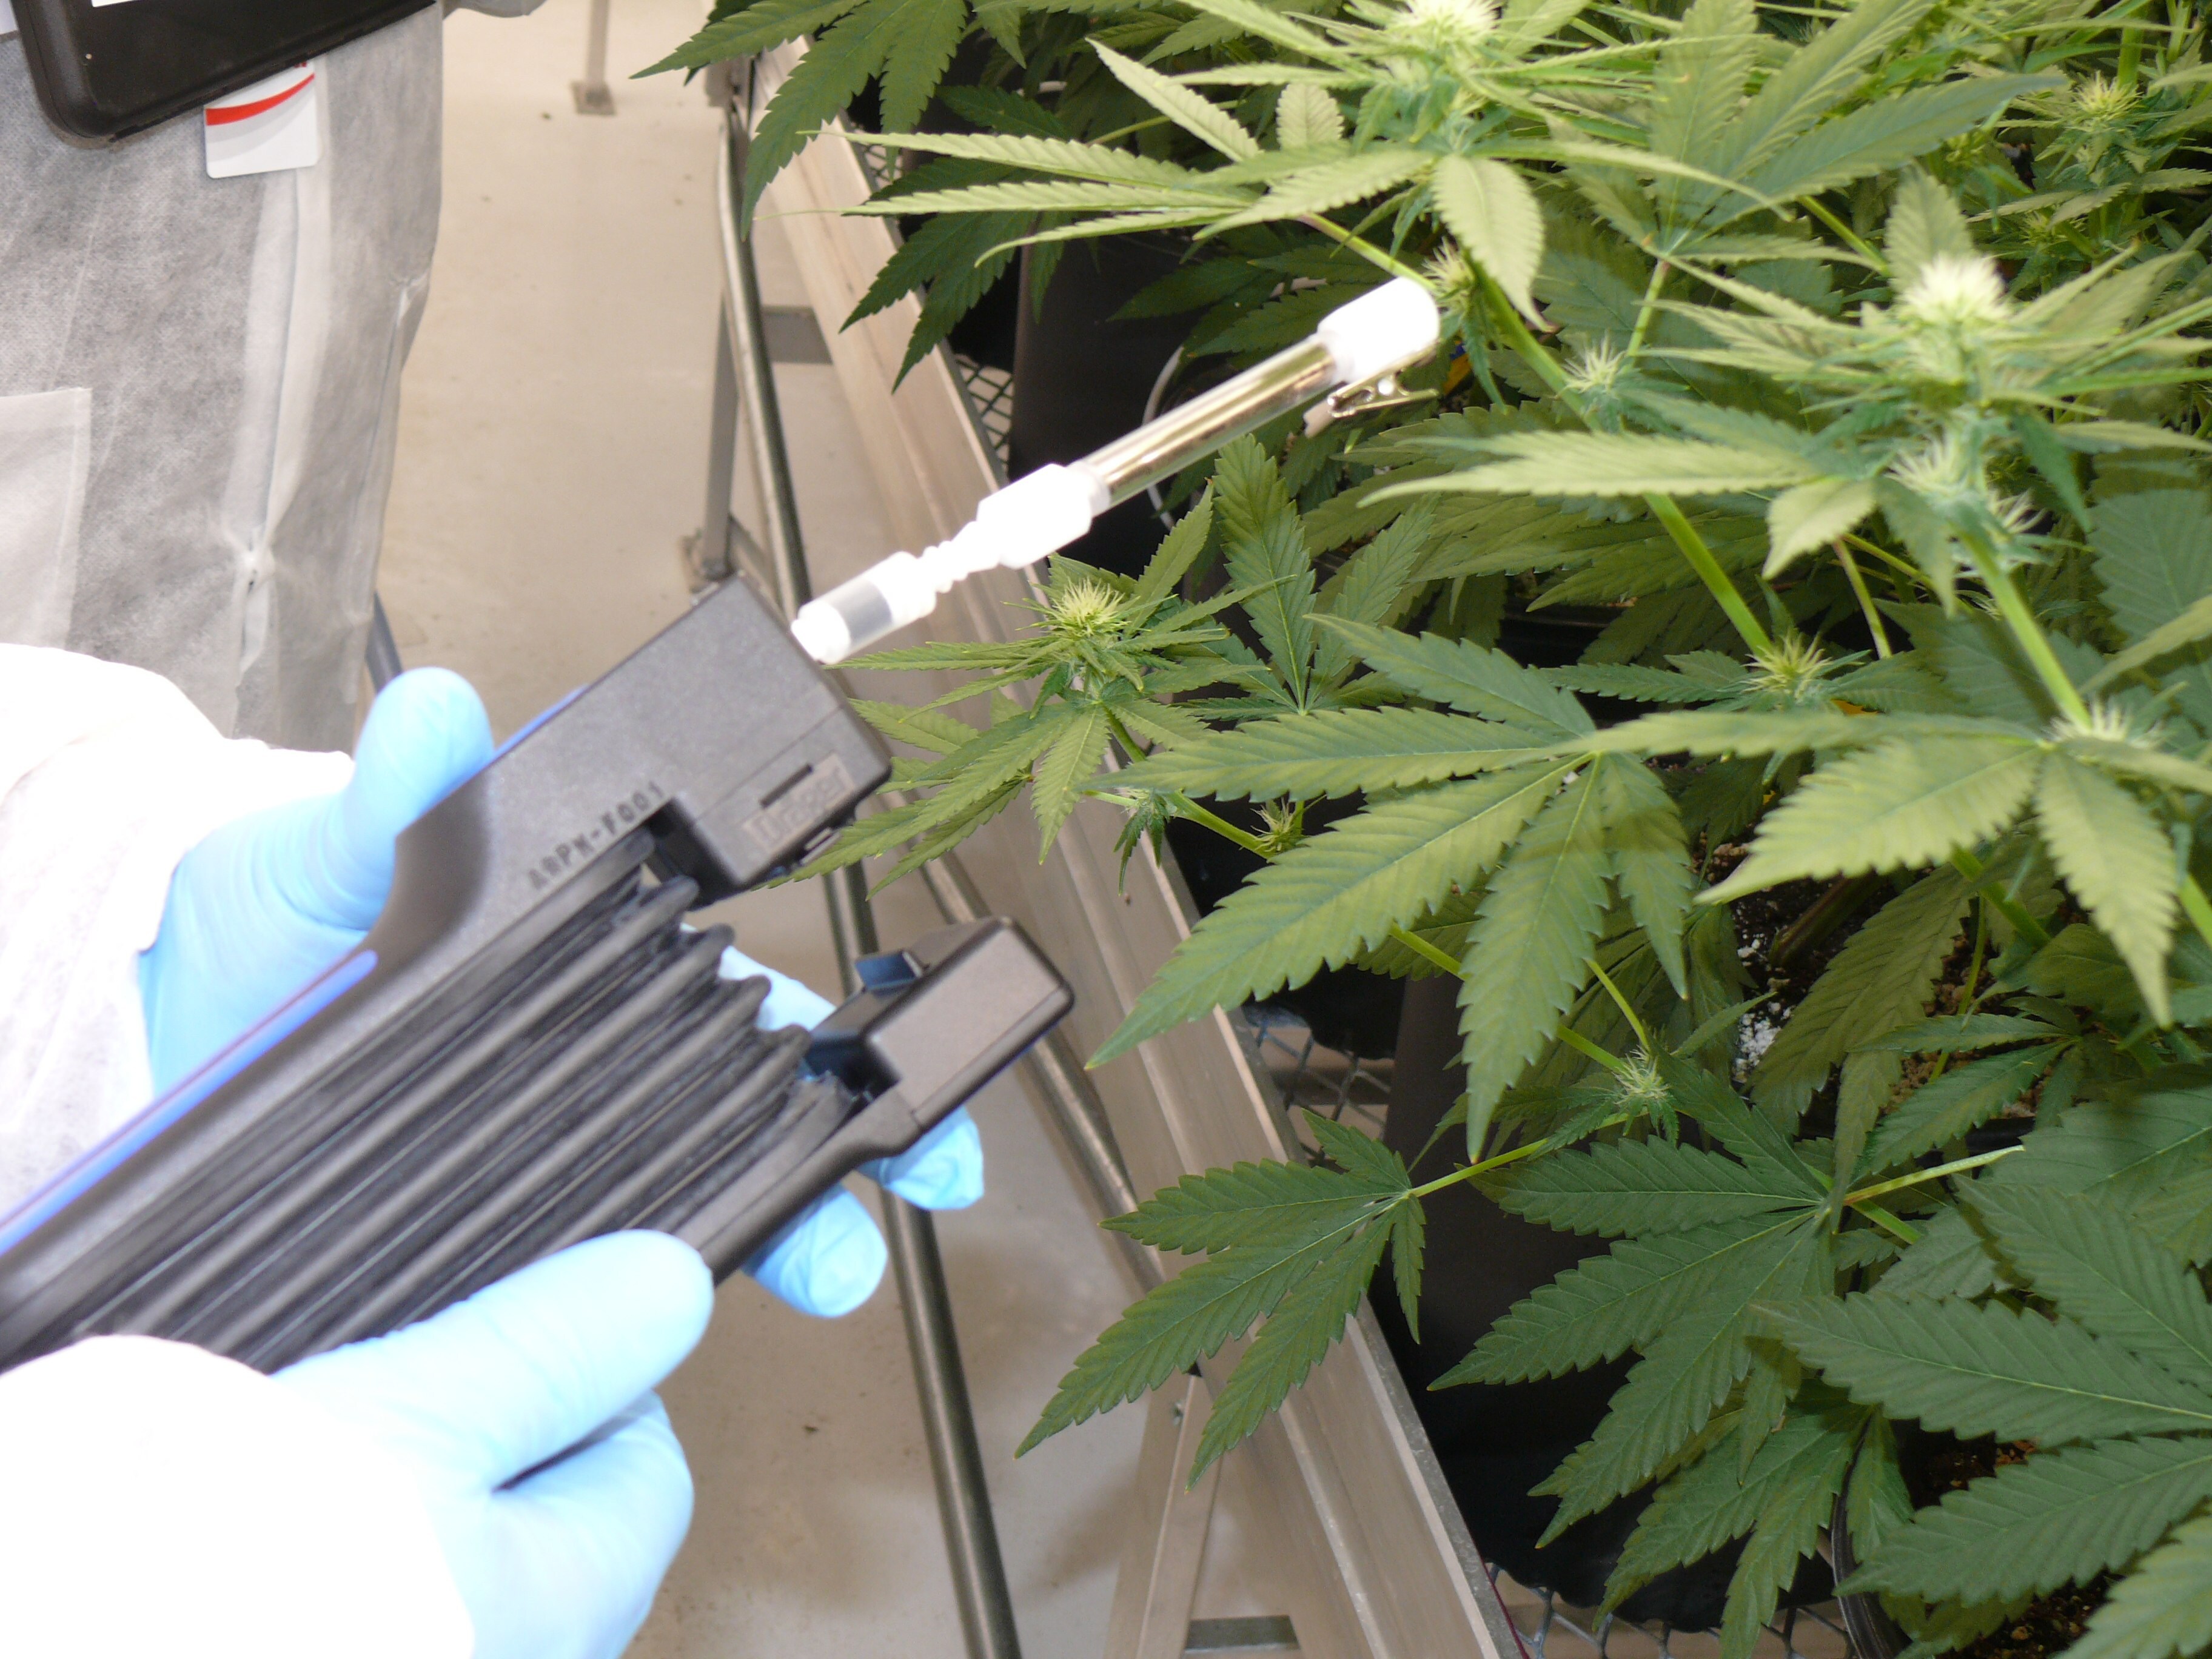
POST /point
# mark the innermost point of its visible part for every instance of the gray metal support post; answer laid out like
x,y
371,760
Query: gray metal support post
x,y
591,93
971,1539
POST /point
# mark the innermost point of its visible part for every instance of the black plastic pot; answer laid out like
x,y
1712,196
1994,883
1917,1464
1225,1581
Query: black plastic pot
x,y
1082,378
1873,1633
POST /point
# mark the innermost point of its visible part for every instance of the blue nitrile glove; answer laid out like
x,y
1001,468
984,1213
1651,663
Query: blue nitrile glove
x,y
829,1260
525,1417
267,902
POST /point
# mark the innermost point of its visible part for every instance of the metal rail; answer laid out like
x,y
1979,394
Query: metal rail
x,y
747,410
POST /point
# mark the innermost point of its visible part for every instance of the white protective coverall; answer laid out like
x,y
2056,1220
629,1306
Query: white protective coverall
x,y
254,1526
199,385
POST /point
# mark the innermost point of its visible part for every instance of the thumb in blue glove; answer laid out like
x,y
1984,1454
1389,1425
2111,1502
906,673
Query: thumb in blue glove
x,y
270,900
523,1415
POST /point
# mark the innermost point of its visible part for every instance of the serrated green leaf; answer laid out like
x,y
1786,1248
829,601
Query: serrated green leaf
x,y
1061,156
924,35
1896,807
1175,1326
1278,1206
1335,895
2154,555
2080,966
1490,209
1296,1335
1597,1310
837,65
2086,1260
1263,543
1619,463
1714,1499
1924,224
1811,81
1651,856
1684,1374
1880,980
924,728
1205,121
1528,951
2059,1518
1800,1480
2118,861
1409,1233
2122,1151
1333,752
2164,1606
1066,766
2188,628
1950,1259
1306,116
1329,185
758,27
1955,1034
1634,684
1812,515
1178,550
1887,132
1964,1097
1977,1371
1467,677
1373,586
1640,1187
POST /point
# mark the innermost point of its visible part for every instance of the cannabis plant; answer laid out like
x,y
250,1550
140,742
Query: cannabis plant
x,y
1840,369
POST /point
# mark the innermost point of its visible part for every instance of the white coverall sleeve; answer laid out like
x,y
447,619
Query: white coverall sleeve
x,y
109,777
155,1500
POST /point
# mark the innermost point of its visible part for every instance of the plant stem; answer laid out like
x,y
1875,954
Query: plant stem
x,y
1919,1176
1902,1230
1650,310
2008,907
1533,351
1582,1045
1635,1024
2196,906
2012,607
1428,952
1710,572
1466,1170
1853,539
1365,249
1852,238
1222,827
1866,600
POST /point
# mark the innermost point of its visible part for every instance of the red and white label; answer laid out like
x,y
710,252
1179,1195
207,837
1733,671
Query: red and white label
x,y
270,126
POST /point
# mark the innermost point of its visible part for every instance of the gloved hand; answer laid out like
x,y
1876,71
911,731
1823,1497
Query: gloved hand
x,y
523,1415
268,902
831,1260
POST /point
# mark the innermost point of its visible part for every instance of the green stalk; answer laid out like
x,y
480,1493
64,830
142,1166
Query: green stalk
x,y
1466,1170
1650,310
1533,351
1365,249
2008,907
1919,1176
2012,607
2196,906
1621,1002
1710,572
1852,238
1582,1045
1428,952
1866,600
1223,827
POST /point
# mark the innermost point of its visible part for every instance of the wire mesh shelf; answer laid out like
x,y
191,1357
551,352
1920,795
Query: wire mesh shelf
x,y
989,393
1355,1089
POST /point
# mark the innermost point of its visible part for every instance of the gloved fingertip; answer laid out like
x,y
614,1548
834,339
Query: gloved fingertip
x,y
426,734
790,1002
944,1170
829,1262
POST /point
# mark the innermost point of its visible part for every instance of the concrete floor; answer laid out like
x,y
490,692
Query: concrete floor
x,y
552,453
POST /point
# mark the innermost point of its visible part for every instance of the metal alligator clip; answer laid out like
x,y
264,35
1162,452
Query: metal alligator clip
x,y
1384,390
